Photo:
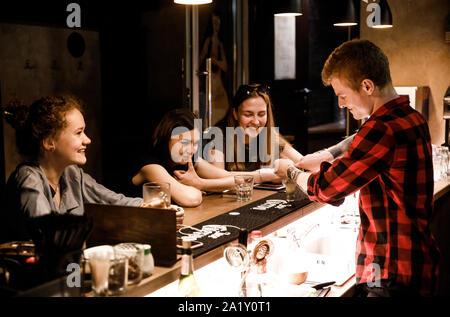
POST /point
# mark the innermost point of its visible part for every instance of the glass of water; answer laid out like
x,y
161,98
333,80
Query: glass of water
x,y
156,195
244,187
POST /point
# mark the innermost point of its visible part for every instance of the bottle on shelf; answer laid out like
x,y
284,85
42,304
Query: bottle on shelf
x,y
187,285
254,280
149,262
255,238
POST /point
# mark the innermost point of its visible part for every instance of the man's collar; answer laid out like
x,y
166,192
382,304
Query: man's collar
x,y
389,105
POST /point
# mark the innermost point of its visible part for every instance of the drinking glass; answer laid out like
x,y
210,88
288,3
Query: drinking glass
x,y
135,255
118,275
99,263
156,195
291,188
446,162
244,187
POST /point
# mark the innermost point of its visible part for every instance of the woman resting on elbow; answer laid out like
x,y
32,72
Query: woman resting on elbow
x,y
174,160
174,144
50,134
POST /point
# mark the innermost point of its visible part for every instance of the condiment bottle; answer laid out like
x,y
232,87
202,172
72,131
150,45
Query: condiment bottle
x,y
149,263
187,285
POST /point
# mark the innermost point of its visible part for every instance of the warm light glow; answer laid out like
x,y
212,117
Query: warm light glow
x,y
192,1
287,14
382,26
345,24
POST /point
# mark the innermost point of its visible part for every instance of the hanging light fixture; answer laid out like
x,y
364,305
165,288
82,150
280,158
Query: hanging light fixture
x,y
288,8
348,16
192,2
385,16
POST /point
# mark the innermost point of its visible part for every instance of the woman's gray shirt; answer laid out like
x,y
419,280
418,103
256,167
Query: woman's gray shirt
x,y
29,193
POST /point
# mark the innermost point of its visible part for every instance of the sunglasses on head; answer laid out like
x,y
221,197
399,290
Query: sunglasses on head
x,y
248,89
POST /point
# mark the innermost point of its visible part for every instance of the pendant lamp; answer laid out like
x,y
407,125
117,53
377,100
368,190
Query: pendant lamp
x,y
385,16
347,18
348,14
288,8
192,2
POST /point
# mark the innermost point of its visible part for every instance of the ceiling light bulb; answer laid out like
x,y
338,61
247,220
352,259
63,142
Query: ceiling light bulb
x,y
192,2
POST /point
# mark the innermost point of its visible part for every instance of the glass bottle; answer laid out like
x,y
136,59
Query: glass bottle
x,y
256,278
255,237
187,285
149,263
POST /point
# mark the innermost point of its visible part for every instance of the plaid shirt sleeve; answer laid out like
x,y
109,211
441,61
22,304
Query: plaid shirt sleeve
x,y
367,157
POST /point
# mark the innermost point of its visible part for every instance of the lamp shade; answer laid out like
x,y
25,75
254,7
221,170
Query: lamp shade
x,y
385,16
288,8
191,2
347,16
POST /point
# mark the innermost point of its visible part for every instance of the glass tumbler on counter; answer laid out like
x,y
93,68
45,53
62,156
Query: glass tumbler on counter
x,y
134,252
156,194
118,275
244,187
291,189
441,163
445,162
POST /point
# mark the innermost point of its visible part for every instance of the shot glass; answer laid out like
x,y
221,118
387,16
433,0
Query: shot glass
x,y
156,195
244,187
291,188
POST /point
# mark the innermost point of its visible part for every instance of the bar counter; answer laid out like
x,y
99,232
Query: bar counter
x,y
214,205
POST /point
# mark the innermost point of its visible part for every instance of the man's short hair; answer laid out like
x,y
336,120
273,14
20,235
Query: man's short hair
x,y
356,60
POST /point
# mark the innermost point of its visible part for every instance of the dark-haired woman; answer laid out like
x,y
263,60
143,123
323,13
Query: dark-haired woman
x,y
50,134
173,160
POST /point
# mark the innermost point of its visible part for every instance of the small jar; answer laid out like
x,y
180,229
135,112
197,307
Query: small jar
x,y
135,255
149,263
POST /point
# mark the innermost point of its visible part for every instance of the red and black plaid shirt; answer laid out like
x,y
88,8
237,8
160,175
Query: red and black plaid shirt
x,y
390,162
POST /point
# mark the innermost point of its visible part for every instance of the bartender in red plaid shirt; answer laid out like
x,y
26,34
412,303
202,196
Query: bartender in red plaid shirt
x,y
390,163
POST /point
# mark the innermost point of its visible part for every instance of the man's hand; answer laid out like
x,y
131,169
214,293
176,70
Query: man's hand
x,y
281,166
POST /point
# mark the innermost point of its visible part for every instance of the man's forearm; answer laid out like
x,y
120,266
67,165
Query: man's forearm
x,y
342,147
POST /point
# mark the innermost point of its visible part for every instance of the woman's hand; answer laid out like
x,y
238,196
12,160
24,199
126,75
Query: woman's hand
x,y
311,162
179,214
189,177
269,176
281,166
